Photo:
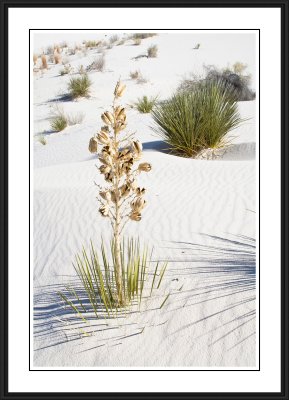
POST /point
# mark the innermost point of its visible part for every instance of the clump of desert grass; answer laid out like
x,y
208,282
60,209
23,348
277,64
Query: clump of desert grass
x,y
191,121
60,120
90,44
198,45
81,70
79,87
98,64
152,51
143,35
137,41
44,64
114,279
145,104
234,79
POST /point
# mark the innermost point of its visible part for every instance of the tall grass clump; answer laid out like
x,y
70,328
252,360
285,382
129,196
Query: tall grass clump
x,y
191,121
115,278
146,104
79,87
152,51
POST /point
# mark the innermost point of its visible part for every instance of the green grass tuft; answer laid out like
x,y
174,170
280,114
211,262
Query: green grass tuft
x,y
79,87
146,104
192,121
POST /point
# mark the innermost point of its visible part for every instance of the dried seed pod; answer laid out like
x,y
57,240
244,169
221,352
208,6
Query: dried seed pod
x,y
92,147
104,129
108,177
138,204
104,169
145,167
137,146
107,118
124,190
105,195
104,210
105,159
103,137
119,89
140,192
119,126
135,216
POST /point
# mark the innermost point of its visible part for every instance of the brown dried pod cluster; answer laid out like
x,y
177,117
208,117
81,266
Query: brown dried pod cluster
x,y
118,165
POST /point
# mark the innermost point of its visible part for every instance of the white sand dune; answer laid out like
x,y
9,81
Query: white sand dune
x,y
201,217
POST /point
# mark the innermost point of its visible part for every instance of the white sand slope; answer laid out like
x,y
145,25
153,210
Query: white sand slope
x,y
201,217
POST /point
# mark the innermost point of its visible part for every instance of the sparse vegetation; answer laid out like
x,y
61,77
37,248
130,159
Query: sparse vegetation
x,y
97,65
35,58
146,104
198,45
191,121
79,87
60,120
152,51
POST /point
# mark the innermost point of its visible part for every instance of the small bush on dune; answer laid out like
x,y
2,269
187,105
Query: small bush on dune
x,y
233,80
200,119
41,139
97,65
49,50
35,58
146,104
79,87
152,51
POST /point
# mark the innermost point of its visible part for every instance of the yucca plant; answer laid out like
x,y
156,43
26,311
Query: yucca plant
x,y
191,121
79,87
146,104
113,279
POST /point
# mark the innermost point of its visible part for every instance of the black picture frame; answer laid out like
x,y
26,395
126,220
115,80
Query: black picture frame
x,y
283,5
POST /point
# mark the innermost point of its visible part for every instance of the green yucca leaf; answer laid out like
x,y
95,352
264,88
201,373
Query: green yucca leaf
x,y
163,303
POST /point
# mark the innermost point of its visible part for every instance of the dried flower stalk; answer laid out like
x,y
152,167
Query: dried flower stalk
x,y
118,153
